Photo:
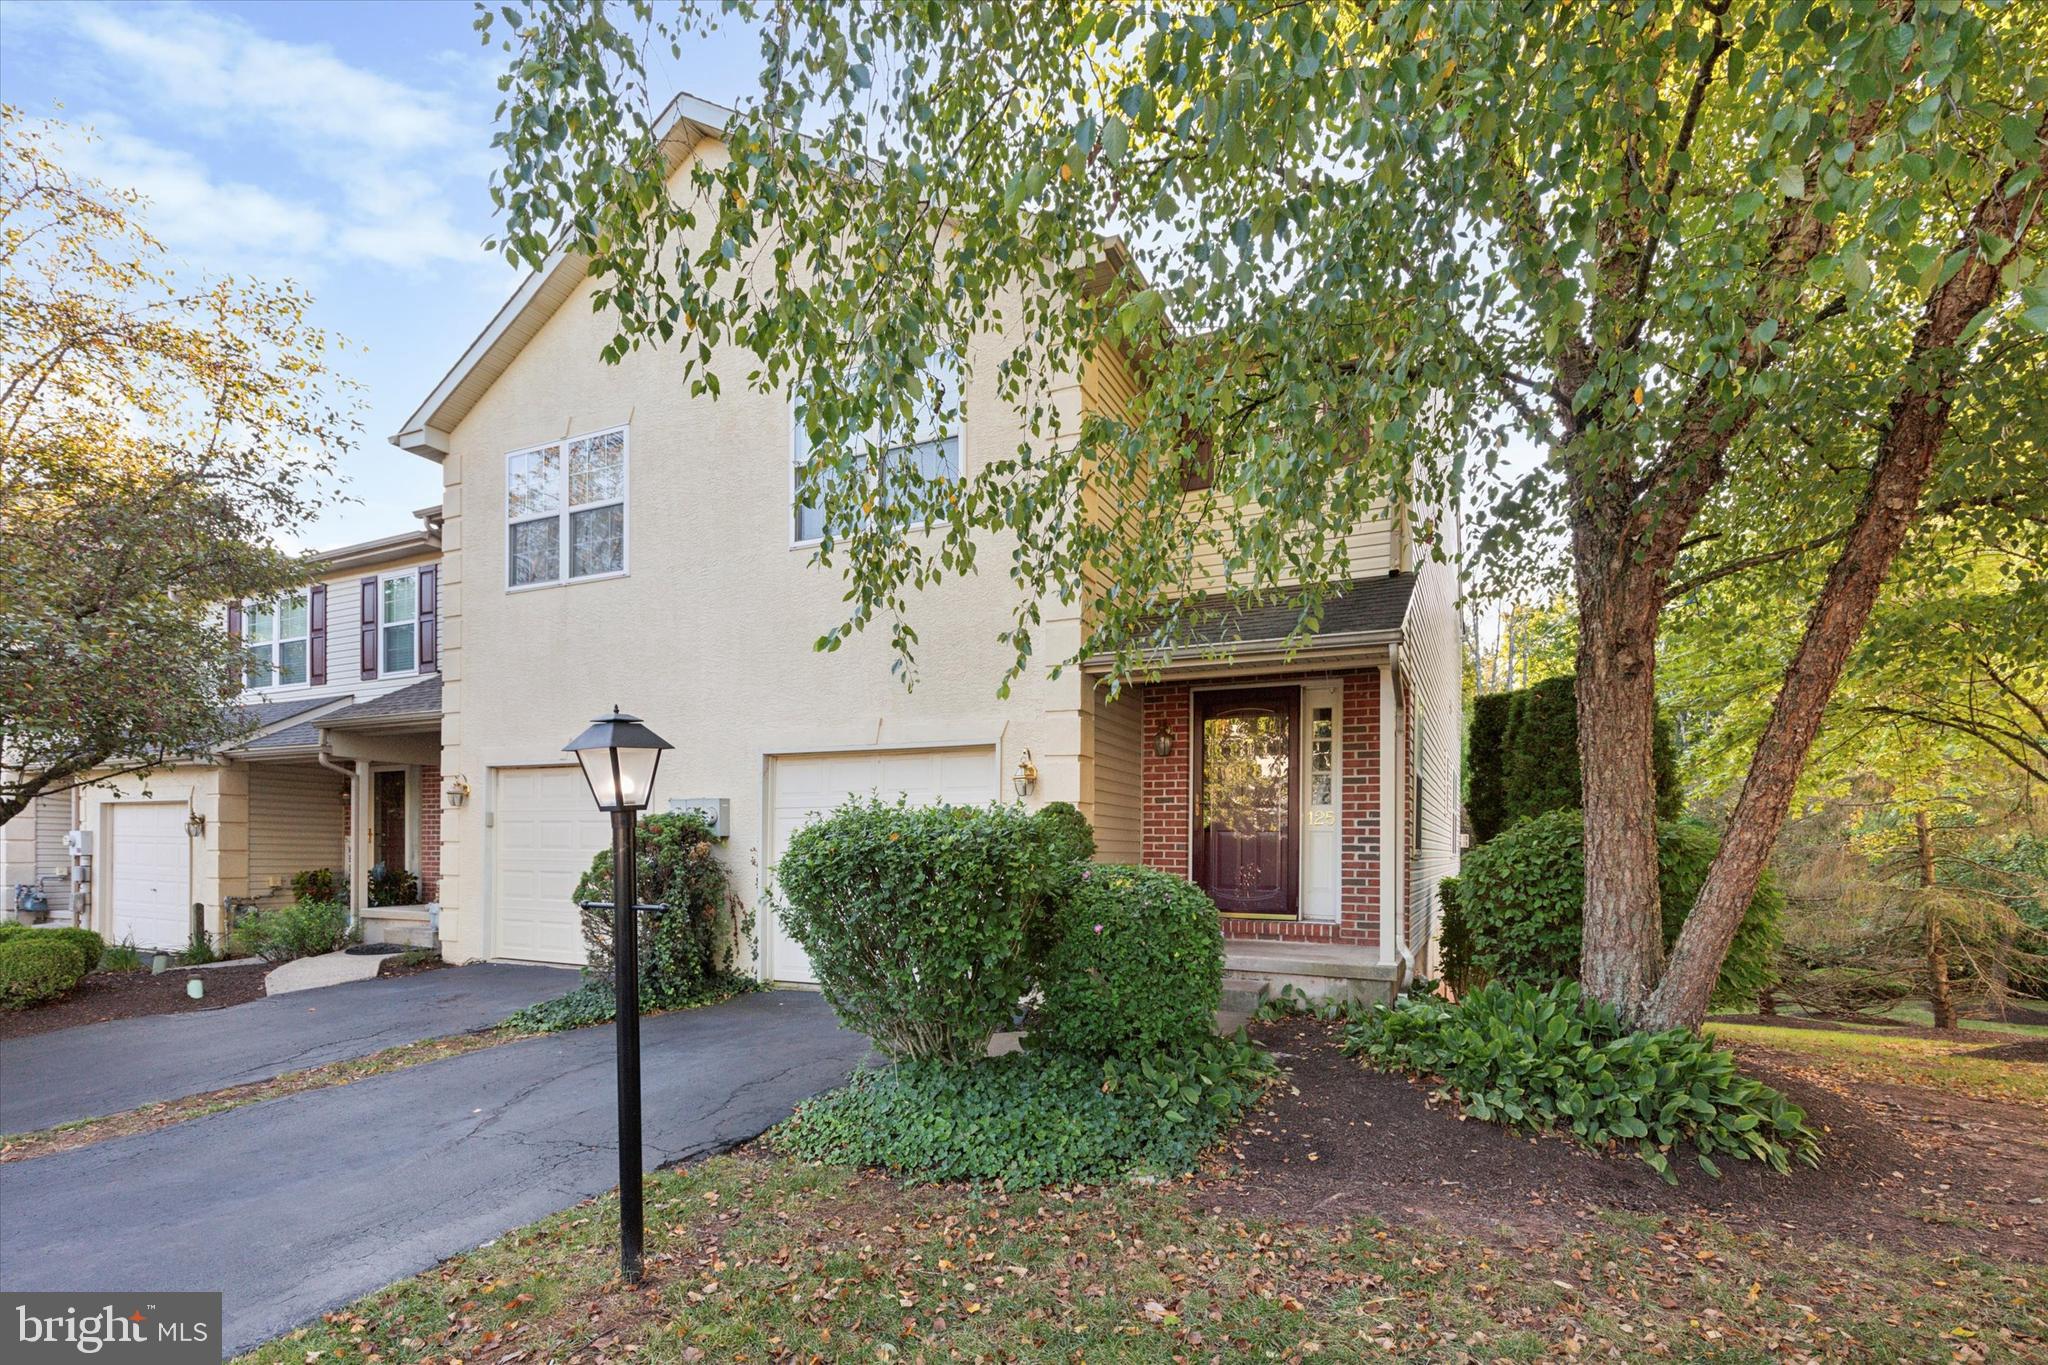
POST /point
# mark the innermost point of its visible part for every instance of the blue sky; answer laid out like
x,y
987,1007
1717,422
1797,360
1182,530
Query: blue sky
x,y
342,145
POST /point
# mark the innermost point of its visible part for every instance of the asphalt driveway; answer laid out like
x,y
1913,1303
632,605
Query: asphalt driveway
x,y
99,1069
295,1206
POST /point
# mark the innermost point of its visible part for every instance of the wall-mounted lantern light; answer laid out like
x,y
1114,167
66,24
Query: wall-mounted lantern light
x,y
458,791
195,824
619,756
1026,776
1162,743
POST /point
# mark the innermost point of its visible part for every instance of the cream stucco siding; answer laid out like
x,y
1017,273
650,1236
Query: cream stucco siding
x,y
709,634
220,852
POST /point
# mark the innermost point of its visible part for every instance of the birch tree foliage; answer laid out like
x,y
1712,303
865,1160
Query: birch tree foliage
x,y
1368,242
157,437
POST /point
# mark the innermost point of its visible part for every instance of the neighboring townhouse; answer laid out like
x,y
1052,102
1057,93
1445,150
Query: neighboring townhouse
x,y
339,768
609,539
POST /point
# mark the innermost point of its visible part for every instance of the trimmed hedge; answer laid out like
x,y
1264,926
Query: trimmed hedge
x,y
1523,757
1031,1118
37,967
1539,1058
1133,965
88,946
1521,900
919,919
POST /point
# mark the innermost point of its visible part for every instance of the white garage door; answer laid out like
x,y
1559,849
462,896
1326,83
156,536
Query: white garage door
x,y
151,880
804,787
545,831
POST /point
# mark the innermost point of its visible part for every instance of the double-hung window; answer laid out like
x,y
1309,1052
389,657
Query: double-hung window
x,y
275,638
931,447
398,623
565,510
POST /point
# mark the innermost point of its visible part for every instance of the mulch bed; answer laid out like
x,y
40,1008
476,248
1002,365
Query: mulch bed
x,y
132,995
1900,1166
2026,1050
393,966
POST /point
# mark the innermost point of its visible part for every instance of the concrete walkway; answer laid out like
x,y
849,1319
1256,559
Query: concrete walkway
x,y
97,1069
296,1206
326,969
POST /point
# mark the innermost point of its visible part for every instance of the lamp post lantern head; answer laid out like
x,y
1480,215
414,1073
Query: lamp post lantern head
x,y
619,756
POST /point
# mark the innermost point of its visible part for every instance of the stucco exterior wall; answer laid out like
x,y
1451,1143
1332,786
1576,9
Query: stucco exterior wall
x,y
709,634
220,855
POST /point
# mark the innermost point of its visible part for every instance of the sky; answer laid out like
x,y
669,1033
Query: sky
x,y
345,146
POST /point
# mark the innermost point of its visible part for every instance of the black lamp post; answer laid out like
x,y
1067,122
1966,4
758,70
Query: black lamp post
x,y
619,756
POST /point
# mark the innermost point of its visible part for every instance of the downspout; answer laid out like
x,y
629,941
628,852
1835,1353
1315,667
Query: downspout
x,y
1397,883
356,876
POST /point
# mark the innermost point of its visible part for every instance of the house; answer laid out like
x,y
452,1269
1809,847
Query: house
x,y
338,767
35,862
609,539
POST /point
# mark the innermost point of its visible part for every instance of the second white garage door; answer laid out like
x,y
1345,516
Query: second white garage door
x,y
803,787
545,832
150,883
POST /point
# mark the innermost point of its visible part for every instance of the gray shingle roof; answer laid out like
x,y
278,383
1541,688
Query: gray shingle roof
x,y
1364,606
305,735
265,714
421,700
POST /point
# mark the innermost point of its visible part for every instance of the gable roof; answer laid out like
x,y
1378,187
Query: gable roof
x,y
686,123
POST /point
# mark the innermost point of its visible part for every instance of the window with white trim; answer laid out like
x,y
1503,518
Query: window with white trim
x,y
398,623
275,642
565,510
932,447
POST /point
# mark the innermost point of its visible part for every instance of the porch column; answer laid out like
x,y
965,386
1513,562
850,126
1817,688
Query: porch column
x,y
1393,882
360,790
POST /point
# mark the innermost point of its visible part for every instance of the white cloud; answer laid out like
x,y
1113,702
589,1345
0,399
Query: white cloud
x,y
280,157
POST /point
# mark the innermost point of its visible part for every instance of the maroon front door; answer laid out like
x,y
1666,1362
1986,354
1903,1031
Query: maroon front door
x,y
1246,854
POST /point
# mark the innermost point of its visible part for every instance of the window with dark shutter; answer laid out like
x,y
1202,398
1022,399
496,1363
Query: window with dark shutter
x,y
430,619
316,651
368,627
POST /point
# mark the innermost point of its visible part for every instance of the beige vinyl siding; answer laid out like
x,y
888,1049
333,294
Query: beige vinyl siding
x,y
1116,813
296,823
1108,387
1434,664
53,822
1371,548
344,641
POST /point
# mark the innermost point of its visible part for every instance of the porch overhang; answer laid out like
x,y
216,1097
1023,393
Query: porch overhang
x,y
1319,654
1361,622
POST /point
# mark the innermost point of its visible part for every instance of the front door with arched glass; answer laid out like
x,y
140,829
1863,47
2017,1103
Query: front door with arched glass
x,y
1247,854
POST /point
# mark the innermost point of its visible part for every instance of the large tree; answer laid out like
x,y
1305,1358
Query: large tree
x,y
1738,270
155,441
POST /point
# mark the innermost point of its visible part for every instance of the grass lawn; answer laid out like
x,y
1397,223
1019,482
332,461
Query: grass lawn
x,y
1932,1063
756,1258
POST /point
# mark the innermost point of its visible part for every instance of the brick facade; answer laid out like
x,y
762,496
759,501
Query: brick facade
x,y
430,833
1168,794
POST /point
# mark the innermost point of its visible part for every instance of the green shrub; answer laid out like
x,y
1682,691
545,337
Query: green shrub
x,y
319,884
1524,753
1133,965
199,951
1066,834
36,968
121,957
917,919
393,886
680,958
301,929
1522,898
88,946
12,928
1454,939
1031,1118
1540,1058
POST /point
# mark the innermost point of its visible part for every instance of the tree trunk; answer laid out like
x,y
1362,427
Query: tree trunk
x,y
1912,435
1938,1000
1622,948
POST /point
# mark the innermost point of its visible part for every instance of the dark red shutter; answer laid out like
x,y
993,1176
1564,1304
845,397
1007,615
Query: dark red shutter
x,y
430,620
316,644
369,626
235,621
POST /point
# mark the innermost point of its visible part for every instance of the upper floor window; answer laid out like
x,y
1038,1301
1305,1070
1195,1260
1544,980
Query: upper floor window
x,y
932,447
398,623
565,510
276,642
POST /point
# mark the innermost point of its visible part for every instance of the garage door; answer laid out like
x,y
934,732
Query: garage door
x,y
150,883
803,787
545,831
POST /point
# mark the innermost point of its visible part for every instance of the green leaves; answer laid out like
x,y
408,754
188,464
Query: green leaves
x,y
1547,1057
